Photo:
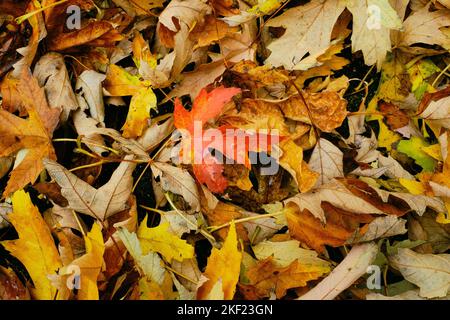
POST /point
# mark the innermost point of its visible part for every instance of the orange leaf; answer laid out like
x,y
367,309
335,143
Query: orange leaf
x,y
206,106
266,276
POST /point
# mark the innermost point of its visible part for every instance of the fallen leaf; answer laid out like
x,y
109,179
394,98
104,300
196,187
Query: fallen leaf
x,y
90,264
33,134
223,265
99,203
429,272
35,247
159,240
266,276
345,274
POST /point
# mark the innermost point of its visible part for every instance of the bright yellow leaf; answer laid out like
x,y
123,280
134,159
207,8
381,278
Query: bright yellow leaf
x,y
35,247
413,186
161,240
120,82
90,264
223,265
139,113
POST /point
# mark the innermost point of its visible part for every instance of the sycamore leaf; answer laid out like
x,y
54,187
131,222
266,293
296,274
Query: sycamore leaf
x,y
188,12
414,149
437,112
381,227
35,247
160,240
90,264
92,31
211,30
430,272
340,226
99,203
11,288
325,110
38,34
33,134
308,30
223,265
139,113
345,274
51,74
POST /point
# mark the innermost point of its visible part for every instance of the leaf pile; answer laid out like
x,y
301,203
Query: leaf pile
x,y
102,193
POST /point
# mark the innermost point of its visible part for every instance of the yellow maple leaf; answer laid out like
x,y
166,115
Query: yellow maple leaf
x,y
223,265
139,113
120,82
161,240
35,247
90,264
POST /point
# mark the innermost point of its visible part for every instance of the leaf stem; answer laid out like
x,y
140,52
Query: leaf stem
x,y
261,216
21,19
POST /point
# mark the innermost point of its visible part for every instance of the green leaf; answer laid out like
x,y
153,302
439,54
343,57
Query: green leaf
x,y
413,148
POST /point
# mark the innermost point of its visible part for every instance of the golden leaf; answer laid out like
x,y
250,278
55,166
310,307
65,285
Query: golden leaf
x,y
35,247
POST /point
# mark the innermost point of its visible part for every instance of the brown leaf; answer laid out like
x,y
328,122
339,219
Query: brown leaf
x,y
325,110
52,191
211,30
11,288
395,117
33,134
339,227
92,31
266,276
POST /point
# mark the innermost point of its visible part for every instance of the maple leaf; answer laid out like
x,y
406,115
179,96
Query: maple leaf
x,y
424,26
99,203
32,134
265,276
90,264
35,247
308,27
429,272
223,265
51,74
352,267
369,36
206,106
159,240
